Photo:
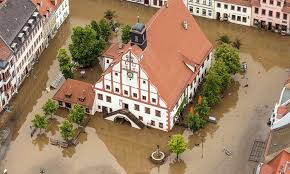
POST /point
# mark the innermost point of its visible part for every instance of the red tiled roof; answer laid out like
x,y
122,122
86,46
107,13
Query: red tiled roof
x,y
77,89
168,45
114,51
278,164
47,5
247,3
5,52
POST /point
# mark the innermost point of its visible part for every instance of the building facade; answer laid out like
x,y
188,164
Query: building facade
x,y
238,12
143,77
271,15
25,28
203,8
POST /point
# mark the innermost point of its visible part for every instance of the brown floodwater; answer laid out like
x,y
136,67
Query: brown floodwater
x,y
113,148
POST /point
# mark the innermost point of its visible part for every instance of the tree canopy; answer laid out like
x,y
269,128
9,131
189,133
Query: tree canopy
x,y
65,64
77,114
177,144
66,130
202,108
195,122
230,57
211,88
126,34
223,71
105,29
85,46
110,14
39,122
50,107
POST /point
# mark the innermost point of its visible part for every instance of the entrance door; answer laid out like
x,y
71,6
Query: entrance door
x,y
146,2
269,25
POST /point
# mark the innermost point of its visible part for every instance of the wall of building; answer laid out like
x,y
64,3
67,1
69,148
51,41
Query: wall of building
x,y
233,13
203,8
62,13
270,13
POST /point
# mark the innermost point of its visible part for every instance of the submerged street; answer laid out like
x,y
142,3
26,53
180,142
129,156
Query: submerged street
x,y
112,148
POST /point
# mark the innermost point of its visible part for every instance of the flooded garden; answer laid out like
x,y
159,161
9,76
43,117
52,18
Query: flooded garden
x,y
114,148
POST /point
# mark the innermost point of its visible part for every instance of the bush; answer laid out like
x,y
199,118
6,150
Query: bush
x,y
195,122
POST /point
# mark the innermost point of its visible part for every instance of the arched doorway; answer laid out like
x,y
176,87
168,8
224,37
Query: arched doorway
x,y
122,120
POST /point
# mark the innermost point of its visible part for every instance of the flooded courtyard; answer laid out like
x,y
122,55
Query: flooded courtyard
x,y
112,148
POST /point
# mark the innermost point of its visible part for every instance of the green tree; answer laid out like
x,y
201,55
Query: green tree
x,y
237,43
95,26
202,109
211,88
66,130
195,122
65,64
223,71
224,39
105,29
39,122
230,56
67,72
177,144
85,46
77,114
110,15
126,34
50,107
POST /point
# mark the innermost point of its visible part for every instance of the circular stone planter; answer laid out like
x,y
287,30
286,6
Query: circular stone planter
x,y
158,159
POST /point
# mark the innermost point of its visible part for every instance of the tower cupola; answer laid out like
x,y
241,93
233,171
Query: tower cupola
x,y
138,35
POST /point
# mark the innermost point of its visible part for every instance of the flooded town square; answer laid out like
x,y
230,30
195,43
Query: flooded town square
x,y
110,148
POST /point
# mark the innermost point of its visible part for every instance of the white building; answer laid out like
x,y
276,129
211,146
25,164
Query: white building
x,y
149,80
203,8
281,112
234,11
62,11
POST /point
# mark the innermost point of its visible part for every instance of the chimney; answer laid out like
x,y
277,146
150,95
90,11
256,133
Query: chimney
x,y
166,4
185,25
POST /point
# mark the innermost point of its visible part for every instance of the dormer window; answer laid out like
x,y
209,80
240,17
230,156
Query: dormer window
x,y
68,95
35,15
25,30
82,98
14,47
31,23
21,37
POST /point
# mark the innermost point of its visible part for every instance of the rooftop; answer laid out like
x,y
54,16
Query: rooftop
x,y
74,91
239,2
5,52
277,165
165,63
13,15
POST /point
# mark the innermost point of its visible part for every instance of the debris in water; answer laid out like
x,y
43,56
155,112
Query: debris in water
x,y
246,85
227,152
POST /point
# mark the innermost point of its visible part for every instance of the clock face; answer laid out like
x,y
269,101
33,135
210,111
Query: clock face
x,y
130,74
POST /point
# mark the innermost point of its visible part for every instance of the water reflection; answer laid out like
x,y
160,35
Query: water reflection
x,y
41,141
68,152
52,126
177,167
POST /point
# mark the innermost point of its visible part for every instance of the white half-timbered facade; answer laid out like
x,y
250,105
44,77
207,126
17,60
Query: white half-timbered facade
x,y
153,82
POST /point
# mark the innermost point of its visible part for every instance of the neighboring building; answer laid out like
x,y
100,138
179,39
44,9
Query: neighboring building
x,y
234,11
21,30
151,81
76,92
25,29
7,82
280,164
271,15
203,8
62,11
281,112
